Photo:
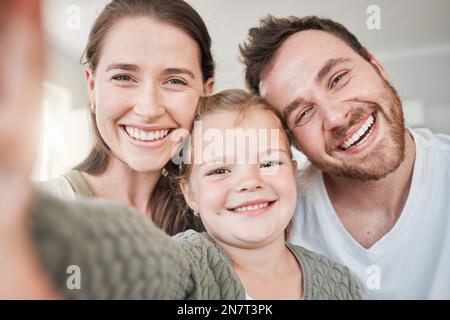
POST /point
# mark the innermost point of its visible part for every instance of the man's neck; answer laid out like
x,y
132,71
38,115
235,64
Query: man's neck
x,y
122,184
369,209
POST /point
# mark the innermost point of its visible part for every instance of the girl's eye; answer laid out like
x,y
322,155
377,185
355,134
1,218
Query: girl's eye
x,y
122,77
269,164
338,78
218,171
177,81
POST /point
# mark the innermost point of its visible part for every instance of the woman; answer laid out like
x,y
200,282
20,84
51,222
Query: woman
x,y
148,62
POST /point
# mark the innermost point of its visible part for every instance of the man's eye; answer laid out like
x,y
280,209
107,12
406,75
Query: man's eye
x,y
218,171
304,115
122,77
337,79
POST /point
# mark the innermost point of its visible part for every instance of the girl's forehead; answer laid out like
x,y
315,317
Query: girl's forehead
x,y
227,134
253,118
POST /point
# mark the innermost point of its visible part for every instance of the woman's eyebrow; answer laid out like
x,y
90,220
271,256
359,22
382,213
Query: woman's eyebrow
x,y
172,71
123,66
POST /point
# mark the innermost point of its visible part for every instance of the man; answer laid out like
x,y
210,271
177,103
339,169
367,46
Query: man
x,y
377,197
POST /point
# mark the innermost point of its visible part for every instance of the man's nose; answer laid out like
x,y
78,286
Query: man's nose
x,y
335,115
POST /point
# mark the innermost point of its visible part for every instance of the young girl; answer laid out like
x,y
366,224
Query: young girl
x,y
245,197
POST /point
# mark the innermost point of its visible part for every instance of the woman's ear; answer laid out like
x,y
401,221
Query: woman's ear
x,y
208,87
90,83
294,165
377,65
188,194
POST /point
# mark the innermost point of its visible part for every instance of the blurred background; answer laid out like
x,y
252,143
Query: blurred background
x,y
411,39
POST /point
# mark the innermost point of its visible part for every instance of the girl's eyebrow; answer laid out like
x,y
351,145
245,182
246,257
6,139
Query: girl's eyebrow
x,y
218,159
222,159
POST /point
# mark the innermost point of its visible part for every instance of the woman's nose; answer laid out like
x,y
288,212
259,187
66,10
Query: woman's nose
x,y
150,104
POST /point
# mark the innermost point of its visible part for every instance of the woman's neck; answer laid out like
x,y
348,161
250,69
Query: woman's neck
x,y
122,184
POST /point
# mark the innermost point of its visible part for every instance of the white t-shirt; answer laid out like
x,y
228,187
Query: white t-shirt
x,y
411,261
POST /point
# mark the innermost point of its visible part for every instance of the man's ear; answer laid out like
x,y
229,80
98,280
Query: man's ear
x,y
208,87
377,65
188,194
90,84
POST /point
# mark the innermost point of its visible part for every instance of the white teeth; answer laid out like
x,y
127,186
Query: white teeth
x,y
362,130
253,207
145,135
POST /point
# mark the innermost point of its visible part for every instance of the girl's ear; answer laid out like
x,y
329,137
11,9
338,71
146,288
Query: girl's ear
x,y
208,87
188,194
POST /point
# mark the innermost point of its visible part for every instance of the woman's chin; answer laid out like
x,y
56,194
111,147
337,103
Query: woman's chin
x,y
145,165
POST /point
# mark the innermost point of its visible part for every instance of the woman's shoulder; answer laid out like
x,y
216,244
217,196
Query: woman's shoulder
x,y
67,186
324,278
59,187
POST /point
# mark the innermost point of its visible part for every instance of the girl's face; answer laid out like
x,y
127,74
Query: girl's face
x,y
243,203
145,89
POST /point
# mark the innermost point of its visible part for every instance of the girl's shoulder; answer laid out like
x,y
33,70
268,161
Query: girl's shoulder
x,y
212,265
324,278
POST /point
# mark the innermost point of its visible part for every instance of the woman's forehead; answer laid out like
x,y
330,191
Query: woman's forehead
x,y
147,41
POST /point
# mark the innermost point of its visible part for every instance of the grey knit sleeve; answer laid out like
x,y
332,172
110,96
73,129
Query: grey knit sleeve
x,y
114,250
325,279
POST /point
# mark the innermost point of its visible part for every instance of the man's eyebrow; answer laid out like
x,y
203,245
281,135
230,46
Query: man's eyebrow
x,y
330,64
171,71
291,108
123,66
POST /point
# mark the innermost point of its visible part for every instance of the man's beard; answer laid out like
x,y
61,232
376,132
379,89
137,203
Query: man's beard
x,y
384,159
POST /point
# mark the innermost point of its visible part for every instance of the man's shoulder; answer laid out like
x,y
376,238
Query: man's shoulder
x,y
427,139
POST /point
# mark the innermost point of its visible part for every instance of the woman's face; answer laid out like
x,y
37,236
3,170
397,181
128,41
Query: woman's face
x,y
243,201
145,89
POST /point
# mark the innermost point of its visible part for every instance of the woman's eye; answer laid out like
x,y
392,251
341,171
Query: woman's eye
x,y
218,171
177,81
122,77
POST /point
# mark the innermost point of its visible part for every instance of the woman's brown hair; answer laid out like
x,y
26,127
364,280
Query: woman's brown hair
x,y
176,13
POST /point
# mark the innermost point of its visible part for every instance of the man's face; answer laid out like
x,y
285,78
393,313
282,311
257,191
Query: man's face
x,y
342,112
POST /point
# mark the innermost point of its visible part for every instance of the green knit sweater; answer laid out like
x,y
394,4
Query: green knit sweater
x,y
122,255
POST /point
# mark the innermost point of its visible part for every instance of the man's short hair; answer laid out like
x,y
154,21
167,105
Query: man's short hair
x,y
262,43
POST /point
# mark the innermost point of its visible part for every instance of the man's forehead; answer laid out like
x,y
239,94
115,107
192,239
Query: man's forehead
x,y
301,55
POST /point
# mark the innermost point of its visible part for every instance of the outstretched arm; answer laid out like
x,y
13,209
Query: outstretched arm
x,y
21,67
94,249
